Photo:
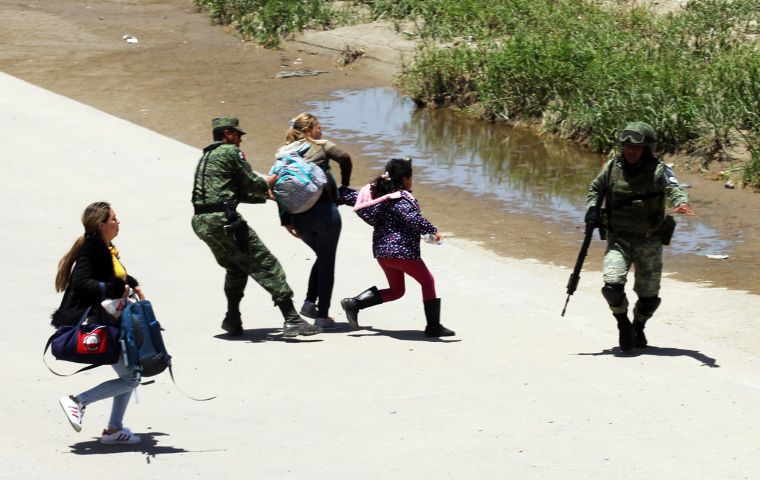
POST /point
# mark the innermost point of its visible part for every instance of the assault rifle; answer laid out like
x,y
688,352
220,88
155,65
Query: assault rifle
x,y
572,283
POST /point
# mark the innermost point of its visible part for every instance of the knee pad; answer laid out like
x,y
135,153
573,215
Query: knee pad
x,y
614,294
647,305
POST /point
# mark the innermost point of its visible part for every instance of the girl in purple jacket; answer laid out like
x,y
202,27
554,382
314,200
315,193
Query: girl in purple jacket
x,y
388,205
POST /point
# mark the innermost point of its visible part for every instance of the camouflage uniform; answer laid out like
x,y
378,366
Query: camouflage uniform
x,y
634,227
634,208
224,175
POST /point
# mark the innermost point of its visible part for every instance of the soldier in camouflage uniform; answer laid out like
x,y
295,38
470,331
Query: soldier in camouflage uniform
x,y
633,188
223,178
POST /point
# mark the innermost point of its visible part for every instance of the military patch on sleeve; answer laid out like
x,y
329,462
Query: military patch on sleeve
x,y
669,176
242,155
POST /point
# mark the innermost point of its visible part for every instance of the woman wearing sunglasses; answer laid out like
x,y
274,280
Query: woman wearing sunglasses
x,y
628,198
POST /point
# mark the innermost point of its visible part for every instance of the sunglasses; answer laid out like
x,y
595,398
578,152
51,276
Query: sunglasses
x,y
631,136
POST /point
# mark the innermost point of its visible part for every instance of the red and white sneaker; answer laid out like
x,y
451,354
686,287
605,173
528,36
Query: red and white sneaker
x,y
120,437
74,411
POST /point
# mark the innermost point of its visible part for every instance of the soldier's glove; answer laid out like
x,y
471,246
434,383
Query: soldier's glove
x,y
592,217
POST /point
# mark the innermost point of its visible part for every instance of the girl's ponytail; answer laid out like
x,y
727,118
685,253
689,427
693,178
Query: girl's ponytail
x,y
392,180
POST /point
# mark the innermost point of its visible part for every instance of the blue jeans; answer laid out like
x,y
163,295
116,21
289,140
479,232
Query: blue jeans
x,y
119,388
319,227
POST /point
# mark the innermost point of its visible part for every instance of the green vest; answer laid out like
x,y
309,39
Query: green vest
x,y
636,198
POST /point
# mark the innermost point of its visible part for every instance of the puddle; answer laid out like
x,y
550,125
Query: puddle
x,y
525,173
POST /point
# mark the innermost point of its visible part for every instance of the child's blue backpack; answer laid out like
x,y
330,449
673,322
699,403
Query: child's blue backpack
x,y
299,183
143,343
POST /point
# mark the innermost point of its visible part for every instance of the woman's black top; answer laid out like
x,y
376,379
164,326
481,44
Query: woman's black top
x,y
92,281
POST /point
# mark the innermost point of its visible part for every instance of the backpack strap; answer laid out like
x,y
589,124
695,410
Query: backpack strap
x,y
158,341
171,374
606,193
127,339
202,163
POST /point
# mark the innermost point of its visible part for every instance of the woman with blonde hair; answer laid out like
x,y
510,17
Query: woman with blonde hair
x,y
89,273
319,227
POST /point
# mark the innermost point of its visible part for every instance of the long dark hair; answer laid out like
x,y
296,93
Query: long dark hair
x,y
396,170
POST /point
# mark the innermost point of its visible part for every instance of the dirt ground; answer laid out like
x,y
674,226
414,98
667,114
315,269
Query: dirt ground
x,y
185,70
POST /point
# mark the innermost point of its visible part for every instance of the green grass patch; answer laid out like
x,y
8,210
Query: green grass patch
x,y
584,71
268,21
580,70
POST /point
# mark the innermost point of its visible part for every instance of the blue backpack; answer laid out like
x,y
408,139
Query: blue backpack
x,y
142,342
143,345
299,183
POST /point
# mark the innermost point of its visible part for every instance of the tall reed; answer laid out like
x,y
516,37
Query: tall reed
x,y
577,68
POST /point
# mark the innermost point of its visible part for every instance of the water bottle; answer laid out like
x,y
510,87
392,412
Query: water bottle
x,y
430,238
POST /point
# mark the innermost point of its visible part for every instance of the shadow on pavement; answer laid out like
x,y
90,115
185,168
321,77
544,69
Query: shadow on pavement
x,y
148,447
259,335
409,335
659,352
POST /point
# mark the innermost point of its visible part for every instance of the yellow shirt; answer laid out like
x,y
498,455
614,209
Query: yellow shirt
x,y
118,268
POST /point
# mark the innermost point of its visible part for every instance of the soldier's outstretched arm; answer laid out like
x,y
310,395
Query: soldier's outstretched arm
x,y
674,193
252,187
684,208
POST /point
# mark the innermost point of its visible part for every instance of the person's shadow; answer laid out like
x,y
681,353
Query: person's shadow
x,y
148,446
408,335
260,335
659,352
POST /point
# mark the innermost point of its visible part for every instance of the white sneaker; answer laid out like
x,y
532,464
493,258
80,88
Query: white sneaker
x,y
326,323
74,411
120,437
309,309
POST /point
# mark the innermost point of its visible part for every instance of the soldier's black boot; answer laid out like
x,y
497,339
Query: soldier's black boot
x,y
352,305
232,322
294,325
641,339
615,296
626,338
433,317
643,311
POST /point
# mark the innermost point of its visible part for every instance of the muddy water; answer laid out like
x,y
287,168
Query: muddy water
x,y
517,170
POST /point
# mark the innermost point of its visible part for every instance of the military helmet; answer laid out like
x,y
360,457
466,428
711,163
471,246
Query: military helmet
x,y
638,133
227,122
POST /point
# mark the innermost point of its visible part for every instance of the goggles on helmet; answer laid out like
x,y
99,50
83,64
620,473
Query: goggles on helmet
x,y
632,136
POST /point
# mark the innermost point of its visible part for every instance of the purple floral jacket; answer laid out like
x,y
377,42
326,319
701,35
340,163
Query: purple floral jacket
x,y
398,223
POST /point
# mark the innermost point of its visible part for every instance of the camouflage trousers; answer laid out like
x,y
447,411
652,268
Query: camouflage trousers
x,y
258,262
645,254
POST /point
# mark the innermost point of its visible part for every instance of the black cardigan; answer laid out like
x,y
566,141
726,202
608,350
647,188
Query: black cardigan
x,y
93,266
